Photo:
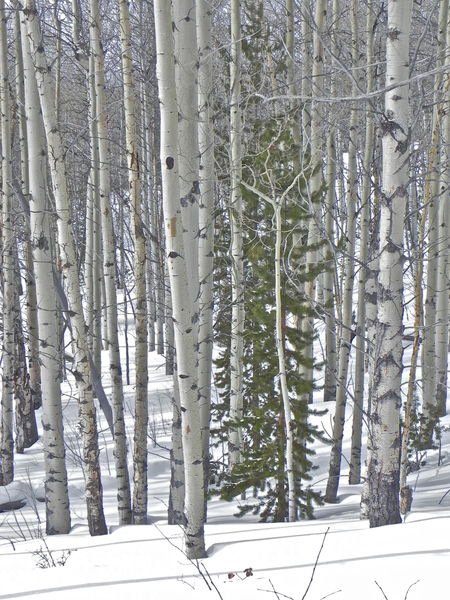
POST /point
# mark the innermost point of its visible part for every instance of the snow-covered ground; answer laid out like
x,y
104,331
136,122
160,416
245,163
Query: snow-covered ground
x,y
246,559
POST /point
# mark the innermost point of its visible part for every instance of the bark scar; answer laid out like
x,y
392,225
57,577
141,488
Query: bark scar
x,y
173,227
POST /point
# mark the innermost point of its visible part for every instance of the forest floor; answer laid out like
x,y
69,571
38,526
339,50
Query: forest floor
x,y
405,561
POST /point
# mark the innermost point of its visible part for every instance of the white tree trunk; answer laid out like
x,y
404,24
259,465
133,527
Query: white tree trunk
x,y
329,275
8,244
388,351
87,412
360,344
56,492
31,304
206,221
183,304
141,358
347,301
431,193
315,181
109,273
235,441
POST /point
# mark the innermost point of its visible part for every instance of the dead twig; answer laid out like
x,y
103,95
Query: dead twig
x,y
315,564
381,590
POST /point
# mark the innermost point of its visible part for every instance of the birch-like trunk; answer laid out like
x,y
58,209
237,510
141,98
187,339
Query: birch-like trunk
x,y
149,209
56,491
347,301
8,249
328,277
109,272
30,283
87,412
183,304
206,222
175,512
443,266
235,442
315,181
431,194
141,358
306,83
280,343
388,351
360,344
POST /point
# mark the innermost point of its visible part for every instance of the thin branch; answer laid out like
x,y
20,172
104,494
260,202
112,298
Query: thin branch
x,y
412,585
381,590
315,564
366,96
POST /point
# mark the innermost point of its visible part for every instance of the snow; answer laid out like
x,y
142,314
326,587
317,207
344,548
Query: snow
x,y
408,560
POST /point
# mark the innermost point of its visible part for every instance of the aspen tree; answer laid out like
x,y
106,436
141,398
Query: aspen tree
x,y
26,433
92,203
206,221
306,89
431,198
8,244
148,208
109,270
237,250
385,386
328,277
347,301
87,412
360,344
443,266
56,491
141,359
183,305
31,302
315,183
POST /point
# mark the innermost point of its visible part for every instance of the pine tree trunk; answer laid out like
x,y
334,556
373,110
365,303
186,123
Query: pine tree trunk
x,y
388,351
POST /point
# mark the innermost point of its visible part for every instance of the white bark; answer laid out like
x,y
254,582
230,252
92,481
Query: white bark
x,y
315,181
141,358
442,302
109,273
31,302
387,368
360,344
183,304
8,243
328,277
235,441
56,492
347,300
206,221
87,412
431,194
443,266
